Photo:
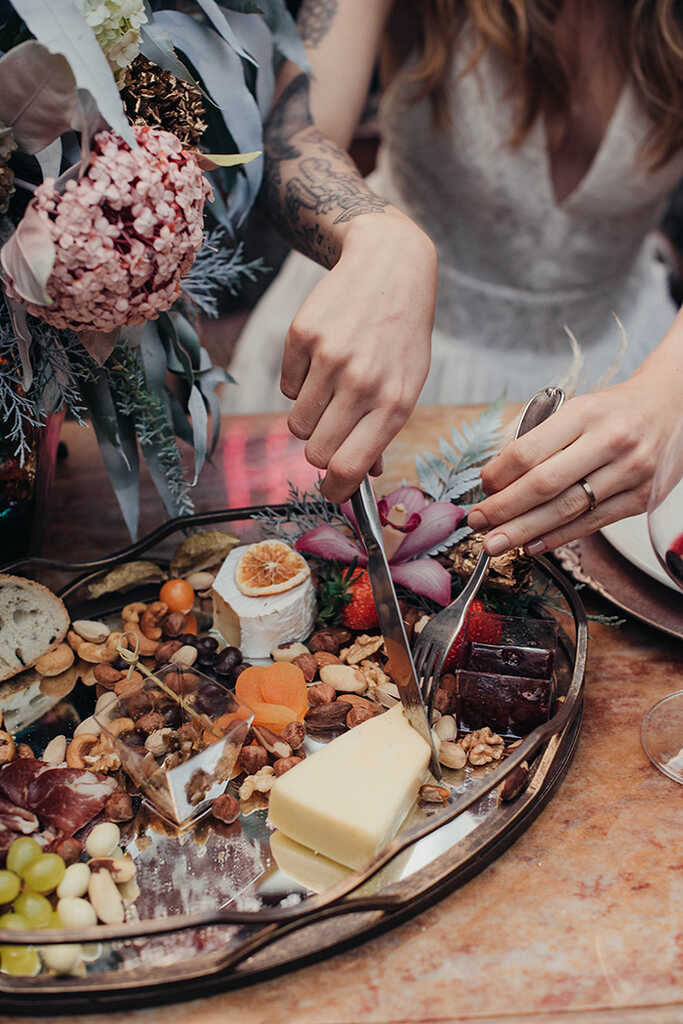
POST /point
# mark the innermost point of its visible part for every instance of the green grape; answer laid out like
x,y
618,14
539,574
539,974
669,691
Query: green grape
x,y
45,873
9,886
35,908
21,961
21,853
16,922
55,920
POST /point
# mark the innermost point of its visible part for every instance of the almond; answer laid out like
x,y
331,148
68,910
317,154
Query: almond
x,y
357,716
328,716
283,764
321,693
325,658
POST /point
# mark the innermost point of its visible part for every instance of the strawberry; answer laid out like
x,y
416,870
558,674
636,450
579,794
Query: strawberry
x,y
480,625
345,596
360,612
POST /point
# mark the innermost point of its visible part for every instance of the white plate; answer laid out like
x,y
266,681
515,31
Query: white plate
x,y
631,539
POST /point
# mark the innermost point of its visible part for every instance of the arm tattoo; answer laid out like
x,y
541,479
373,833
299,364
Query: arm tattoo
x,y
314,20
322,187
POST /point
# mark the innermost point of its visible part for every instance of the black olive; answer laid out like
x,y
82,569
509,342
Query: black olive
x,y
239,669
211,699
206,658
227,660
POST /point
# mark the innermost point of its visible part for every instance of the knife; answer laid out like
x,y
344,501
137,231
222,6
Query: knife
x,y
400,661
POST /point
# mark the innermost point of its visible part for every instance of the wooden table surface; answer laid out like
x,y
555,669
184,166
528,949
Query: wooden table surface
x,y
581,920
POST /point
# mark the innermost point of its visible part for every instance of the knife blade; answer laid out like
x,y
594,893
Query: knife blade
x,y
400,661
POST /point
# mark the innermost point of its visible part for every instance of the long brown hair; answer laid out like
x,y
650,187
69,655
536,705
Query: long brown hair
x,y
646,36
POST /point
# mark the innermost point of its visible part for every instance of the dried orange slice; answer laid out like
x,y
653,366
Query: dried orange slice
x,y
270,567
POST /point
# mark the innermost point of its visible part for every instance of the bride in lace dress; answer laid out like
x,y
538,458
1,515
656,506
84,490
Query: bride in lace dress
x,y
535,144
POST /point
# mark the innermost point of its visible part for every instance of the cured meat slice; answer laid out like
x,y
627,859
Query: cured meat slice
x,y
16,777
68,798
17,819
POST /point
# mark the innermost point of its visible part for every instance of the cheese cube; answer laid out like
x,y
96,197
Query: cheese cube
x,y
258,624
348,799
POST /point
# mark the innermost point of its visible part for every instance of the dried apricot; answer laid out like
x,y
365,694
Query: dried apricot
x,y
273,716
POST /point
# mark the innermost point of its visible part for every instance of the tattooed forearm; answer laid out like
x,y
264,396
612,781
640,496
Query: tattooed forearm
x,y
310,184
314,20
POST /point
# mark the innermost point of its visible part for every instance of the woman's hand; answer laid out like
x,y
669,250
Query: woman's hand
x,y
612,440
357,353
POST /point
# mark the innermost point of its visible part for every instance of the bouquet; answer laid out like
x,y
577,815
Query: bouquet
x,y
130,154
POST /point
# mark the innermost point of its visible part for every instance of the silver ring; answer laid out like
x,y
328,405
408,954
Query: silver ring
x,y
590,494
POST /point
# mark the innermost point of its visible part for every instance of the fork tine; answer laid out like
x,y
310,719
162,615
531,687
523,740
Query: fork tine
x,y
422,657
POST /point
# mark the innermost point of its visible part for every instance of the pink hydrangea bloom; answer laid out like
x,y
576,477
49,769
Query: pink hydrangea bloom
x,y
124,233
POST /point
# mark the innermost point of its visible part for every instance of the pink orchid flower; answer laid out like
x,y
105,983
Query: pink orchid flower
x,y
411,525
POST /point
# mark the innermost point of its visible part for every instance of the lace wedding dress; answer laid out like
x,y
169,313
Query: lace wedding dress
x,y
515,265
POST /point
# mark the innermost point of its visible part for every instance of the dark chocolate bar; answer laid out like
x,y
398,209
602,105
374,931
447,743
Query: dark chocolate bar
x,y
510,705
529,662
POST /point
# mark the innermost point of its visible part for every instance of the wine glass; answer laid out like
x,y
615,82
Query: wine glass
x,y
662,728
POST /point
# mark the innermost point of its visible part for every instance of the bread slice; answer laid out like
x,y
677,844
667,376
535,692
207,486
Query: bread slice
x,y
32,622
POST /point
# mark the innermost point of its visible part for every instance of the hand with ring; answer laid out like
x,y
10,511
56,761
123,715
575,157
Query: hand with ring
x,y
588,465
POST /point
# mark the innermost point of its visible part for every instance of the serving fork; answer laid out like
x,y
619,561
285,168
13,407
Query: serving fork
x,y
436,639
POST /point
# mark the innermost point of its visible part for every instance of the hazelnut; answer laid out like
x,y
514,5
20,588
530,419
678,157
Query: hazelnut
x,y
294,733
173,624
307,664
165,651
358,715
321,693
119,807
253,757
150,722
226,808
324,640
68,849
283,764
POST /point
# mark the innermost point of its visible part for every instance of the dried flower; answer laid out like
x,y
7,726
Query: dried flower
x,y
124,234
157,98
116,24
7,147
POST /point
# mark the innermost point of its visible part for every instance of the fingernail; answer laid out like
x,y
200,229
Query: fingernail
x,y
497,544
537,547
477,520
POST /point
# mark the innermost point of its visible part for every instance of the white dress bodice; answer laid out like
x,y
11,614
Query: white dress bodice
x,y
515,265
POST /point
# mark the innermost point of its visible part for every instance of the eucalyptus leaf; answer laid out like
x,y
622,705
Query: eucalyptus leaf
x,y
222,74
29,256
215,410
152,356
158,473
117,444
282,26
60,26
200,426
19,318
37,95
254,35
156,46
50,159
217,18
179,419
87,120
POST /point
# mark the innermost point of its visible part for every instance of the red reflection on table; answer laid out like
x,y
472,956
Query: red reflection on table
x,y
258,467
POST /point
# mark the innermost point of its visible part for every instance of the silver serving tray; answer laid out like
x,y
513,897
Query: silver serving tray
x,y
215,911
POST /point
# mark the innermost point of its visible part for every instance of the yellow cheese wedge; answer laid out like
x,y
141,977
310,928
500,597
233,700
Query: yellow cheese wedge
x,y
348,799
309,869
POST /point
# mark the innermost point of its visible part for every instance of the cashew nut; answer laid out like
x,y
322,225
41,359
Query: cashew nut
x,y
147,647
149,622
6,748
78,747
56,661
132,612
120,725
98,653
